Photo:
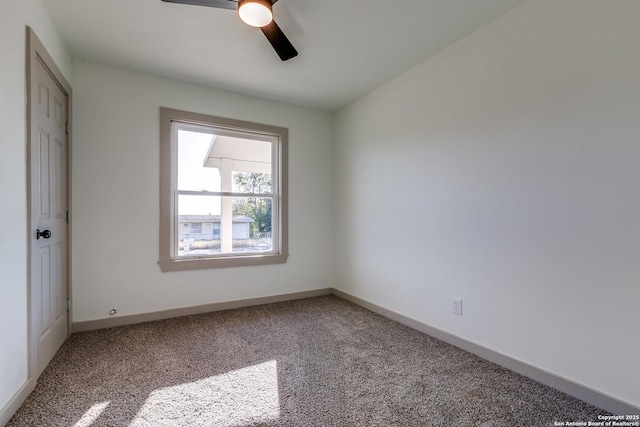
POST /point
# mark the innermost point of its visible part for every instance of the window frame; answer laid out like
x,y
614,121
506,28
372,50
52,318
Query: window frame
x,y
169,218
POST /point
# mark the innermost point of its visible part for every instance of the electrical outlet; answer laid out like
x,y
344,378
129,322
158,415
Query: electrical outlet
x,y
457,306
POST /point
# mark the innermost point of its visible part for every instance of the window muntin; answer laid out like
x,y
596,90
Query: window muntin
x,y
227,192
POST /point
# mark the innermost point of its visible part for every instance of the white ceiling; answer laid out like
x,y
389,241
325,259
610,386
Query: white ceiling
x,y
347,48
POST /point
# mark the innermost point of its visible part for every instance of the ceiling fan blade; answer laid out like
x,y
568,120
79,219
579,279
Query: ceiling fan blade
x,y
279,41
222,4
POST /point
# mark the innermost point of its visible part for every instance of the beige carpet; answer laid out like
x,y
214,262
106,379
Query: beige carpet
x,y
314,362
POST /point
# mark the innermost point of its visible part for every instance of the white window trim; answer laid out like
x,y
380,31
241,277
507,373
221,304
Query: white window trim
x,y
168,218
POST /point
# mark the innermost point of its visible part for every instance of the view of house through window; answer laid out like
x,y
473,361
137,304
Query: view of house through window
x,y
224,192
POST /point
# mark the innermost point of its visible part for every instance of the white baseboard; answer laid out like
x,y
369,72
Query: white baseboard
x,y
90,325
18,399
579,391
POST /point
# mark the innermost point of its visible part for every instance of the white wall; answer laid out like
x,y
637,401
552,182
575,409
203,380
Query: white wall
x,y
115,196
517,153
14,17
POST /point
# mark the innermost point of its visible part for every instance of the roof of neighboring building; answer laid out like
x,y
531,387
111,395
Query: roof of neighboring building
x,y
210,218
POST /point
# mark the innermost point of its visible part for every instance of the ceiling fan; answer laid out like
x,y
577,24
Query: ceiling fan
x,y
257,13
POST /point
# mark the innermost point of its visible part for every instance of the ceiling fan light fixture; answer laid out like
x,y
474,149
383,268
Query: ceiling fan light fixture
x,y
256,13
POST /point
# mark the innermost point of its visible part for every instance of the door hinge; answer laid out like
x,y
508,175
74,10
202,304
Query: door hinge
x,y
67,217
68,305
66,127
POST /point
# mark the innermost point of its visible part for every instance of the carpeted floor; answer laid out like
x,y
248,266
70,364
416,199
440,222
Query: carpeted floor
x,y
313,362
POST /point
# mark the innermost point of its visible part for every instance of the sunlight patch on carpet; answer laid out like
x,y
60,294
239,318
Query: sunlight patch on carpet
x,y
241,397
92,415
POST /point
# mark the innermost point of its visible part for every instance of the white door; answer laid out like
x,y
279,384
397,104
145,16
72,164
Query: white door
x,y
48,210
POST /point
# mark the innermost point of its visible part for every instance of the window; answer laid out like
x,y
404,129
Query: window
x,y
223,192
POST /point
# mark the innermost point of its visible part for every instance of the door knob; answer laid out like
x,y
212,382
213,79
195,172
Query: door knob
x,y
44,234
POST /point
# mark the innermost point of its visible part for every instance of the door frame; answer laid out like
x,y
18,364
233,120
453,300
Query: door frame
x,y
36,52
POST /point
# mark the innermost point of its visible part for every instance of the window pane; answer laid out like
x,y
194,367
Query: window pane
x,y
252,224
193,173
198,225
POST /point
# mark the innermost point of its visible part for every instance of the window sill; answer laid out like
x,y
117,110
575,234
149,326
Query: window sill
x,y
222,262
